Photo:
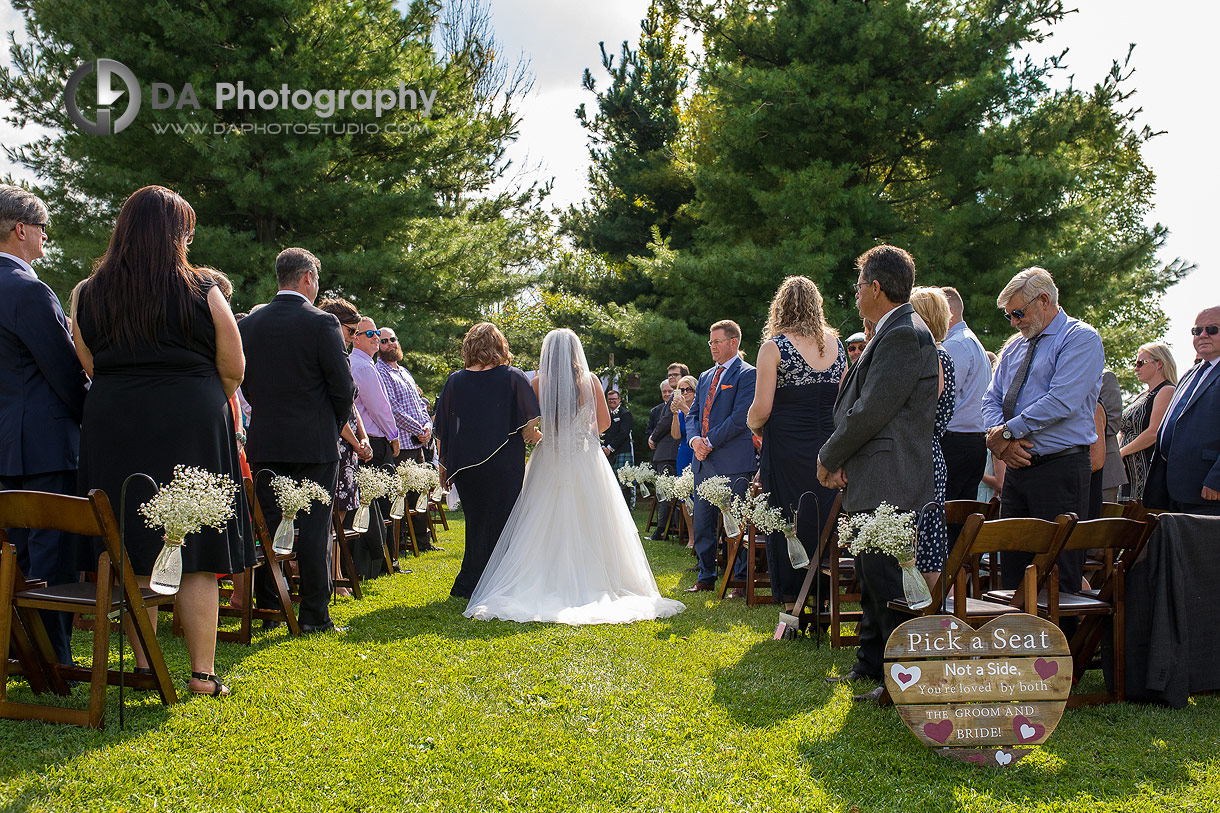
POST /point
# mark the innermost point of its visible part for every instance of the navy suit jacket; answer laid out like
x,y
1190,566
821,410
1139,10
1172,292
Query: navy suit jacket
x,y
732,441
1194,450
42,383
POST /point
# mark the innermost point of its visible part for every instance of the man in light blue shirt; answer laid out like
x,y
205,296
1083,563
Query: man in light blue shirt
x,y
964,443
1039,410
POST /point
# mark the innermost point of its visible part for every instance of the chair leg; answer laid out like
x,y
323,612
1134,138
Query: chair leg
x,y
411,535
652,512
440,510
101,643
731,558
1118,648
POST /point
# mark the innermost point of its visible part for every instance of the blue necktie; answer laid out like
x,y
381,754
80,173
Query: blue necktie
x,y
1172,419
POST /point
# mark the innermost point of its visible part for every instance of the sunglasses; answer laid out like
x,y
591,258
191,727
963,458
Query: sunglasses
x,y
391,340
1212,330
372,333
1015,313
1141,362
351,331
686,389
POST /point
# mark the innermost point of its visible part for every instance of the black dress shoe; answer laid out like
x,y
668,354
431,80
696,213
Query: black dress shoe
x,y
850,677
873,696
701,587
309,629
272,625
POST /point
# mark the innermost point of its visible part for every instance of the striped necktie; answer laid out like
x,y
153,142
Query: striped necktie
x,y
711,396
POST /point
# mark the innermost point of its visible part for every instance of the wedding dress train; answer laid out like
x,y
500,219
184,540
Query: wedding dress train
x,y
570,552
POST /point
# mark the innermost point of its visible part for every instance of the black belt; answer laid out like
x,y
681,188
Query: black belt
x,y
968,434
1046,458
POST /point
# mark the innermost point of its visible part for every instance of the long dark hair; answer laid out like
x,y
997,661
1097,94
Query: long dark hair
x,y
145,270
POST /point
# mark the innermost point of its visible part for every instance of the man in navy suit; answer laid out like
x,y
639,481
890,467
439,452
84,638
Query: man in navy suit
x,y
1185,473
42,396
722,442
300,392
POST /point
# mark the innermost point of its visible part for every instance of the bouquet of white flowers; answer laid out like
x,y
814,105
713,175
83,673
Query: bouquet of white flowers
x,y
293,497
372,483
891,532
192,500
639,476
418,478
719,492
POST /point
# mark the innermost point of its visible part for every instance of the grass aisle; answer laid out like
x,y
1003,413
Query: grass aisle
x,y
417,708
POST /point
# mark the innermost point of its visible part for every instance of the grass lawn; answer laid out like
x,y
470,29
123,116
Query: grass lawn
x,y
417,708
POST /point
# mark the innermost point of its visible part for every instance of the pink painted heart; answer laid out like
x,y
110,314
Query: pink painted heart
x,y
1046,669
1027,731
939,731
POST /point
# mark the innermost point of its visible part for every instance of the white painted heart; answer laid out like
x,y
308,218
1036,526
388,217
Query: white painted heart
x,y
1003,757
1028,732
905,676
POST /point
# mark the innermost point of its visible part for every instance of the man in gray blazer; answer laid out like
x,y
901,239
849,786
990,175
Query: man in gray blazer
x,y
881,449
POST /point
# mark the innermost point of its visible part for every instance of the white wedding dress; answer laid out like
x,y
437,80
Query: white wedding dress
x,y
570,552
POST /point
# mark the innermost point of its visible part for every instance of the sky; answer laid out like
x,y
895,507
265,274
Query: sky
x,y
1174,75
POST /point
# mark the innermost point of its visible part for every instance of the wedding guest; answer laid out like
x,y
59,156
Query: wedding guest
x,y
881,448
616,440
681,406
964,442
375,411
354,445
665,448
42,397
158,338
1158,372
1110,475
411,414
855,346
800,367
722,443
485,415
300,392
1039,409
1185,473
932,544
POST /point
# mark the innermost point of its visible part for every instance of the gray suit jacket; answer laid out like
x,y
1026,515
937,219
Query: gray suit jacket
x,y
884,418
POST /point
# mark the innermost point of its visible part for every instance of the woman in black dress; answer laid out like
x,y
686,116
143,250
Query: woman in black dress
x,y
800,365
162,347
484,416
1156,370
932,546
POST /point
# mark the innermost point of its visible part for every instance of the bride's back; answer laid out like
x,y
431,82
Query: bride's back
x,y
566,391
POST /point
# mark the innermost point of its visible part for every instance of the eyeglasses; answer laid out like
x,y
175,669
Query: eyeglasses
x,y
391,340
1141,362
673,375
1015,313
1212,330
686,389
371,333
42,226
351,331
857,286
715,342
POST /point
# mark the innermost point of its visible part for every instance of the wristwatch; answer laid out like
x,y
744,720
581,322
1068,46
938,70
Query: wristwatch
x,y
1006,433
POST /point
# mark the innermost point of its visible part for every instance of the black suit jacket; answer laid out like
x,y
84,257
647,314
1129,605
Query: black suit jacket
x,y
660,419
297,382
42,384
618,435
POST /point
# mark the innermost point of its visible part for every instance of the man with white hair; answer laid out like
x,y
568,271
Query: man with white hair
x,y
1039,410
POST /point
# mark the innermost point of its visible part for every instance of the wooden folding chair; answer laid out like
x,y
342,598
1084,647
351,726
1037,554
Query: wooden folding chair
x,y
86,516
431,527
839,567
750,544
342,537
1040,537
438,507
274,562
1124,539
956,513
825,532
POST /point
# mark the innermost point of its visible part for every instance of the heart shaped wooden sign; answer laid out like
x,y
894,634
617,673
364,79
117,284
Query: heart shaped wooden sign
x,y
1003,684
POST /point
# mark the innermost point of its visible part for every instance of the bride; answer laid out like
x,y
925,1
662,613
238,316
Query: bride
x,y
570,551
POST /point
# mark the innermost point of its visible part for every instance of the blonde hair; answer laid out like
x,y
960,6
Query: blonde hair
x,y
933,308
731,329
797,309
1160,352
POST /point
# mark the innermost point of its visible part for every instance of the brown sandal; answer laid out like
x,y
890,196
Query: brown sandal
x,y
218,690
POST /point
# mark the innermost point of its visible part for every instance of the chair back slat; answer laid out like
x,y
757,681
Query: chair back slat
x,y
956,511
1107,533
56,512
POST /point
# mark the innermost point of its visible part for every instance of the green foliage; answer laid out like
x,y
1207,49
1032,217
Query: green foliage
x,y
820,129
417,708
415,222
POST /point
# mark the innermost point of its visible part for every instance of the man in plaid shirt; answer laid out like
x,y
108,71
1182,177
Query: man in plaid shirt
x,y
410,416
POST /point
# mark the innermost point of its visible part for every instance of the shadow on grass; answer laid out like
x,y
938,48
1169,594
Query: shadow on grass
x,y
442,618
1096,756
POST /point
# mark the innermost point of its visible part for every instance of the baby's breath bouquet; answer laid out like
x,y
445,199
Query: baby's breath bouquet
x,y
293,497
890,531
639,476
372,483
719,492
768,519
192,500
418,478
